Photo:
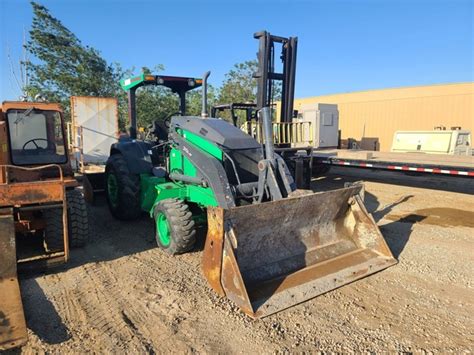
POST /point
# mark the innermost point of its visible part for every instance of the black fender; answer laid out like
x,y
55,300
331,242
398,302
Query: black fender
x,y
136,154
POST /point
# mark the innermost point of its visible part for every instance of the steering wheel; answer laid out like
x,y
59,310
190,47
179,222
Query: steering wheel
x,y
36,144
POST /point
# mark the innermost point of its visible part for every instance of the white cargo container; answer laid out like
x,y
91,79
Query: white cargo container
x,y
94,129
449,142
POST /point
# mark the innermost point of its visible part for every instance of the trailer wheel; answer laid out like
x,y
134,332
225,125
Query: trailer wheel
x,y
53,232
78,223
122,189
174,226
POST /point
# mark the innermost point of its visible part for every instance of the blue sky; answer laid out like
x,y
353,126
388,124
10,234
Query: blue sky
x,y
343,45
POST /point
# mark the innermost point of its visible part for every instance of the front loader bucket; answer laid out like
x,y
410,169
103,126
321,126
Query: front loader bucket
x,y
12,320
271,256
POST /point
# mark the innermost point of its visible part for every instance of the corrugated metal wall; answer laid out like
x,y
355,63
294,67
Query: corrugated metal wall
x,y
379,113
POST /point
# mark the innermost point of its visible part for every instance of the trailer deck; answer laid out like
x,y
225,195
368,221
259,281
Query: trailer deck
x,y
410,162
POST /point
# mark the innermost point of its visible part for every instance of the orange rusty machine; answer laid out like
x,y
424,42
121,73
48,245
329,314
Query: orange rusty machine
x,y
42,213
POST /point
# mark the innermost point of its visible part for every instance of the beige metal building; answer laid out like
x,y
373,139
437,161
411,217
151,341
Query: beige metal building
x,y
379,113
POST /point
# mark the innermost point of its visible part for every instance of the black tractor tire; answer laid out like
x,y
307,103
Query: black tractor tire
x,y
78,221
181,226
125,205
53,231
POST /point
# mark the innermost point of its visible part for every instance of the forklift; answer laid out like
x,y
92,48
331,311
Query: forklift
x,y
299,160
42,213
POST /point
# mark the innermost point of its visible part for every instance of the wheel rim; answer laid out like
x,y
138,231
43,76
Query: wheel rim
x,y
112,189
163,229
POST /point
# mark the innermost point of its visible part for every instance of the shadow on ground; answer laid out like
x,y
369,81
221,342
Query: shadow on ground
x,y
110,239
41,316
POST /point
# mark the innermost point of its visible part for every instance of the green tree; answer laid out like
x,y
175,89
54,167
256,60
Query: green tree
x,y
194,100
63,66
239,84
157,102
154,102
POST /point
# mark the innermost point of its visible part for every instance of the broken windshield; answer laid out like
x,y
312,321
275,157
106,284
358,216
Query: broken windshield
x,y
36,137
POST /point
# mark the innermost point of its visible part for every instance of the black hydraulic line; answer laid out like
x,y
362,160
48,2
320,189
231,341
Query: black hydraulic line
x,y
233,167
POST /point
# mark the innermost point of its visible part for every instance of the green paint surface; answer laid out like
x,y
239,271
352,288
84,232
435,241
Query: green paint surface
x,y
130,83
148,190
187,192
202,143
181,164
154,190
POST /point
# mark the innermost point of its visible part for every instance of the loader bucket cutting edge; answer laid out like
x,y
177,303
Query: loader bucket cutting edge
x,y
13,331
271,256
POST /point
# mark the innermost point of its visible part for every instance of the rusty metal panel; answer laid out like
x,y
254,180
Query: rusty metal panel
x,y
31,192
212,256
232,280
7,105
95,127
13,331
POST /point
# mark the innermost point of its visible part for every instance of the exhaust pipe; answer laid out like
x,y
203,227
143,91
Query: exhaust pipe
x,y
132,113
204,95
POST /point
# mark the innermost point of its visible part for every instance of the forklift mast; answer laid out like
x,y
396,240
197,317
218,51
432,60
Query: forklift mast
x,y
266,74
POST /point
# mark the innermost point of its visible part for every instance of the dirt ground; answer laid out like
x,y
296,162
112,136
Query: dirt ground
x,y
122,294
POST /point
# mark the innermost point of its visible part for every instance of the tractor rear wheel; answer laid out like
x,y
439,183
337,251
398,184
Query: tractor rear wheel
x,y
174,226
122,189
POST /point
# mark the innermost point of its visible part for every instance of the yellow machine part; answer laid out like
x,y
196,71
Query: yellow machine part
x,y
271,256
13,331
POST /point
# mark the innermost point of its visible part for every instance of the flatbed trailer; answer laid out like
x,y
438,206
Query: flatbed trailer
x,y
450,165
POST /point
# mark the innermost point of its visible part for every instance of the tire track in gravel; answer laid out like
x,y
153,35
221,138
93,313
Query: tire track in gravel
x,y
96,307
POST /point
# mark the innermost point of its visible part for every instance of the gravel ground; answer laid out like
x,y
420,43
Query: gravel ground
x,y
122,294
